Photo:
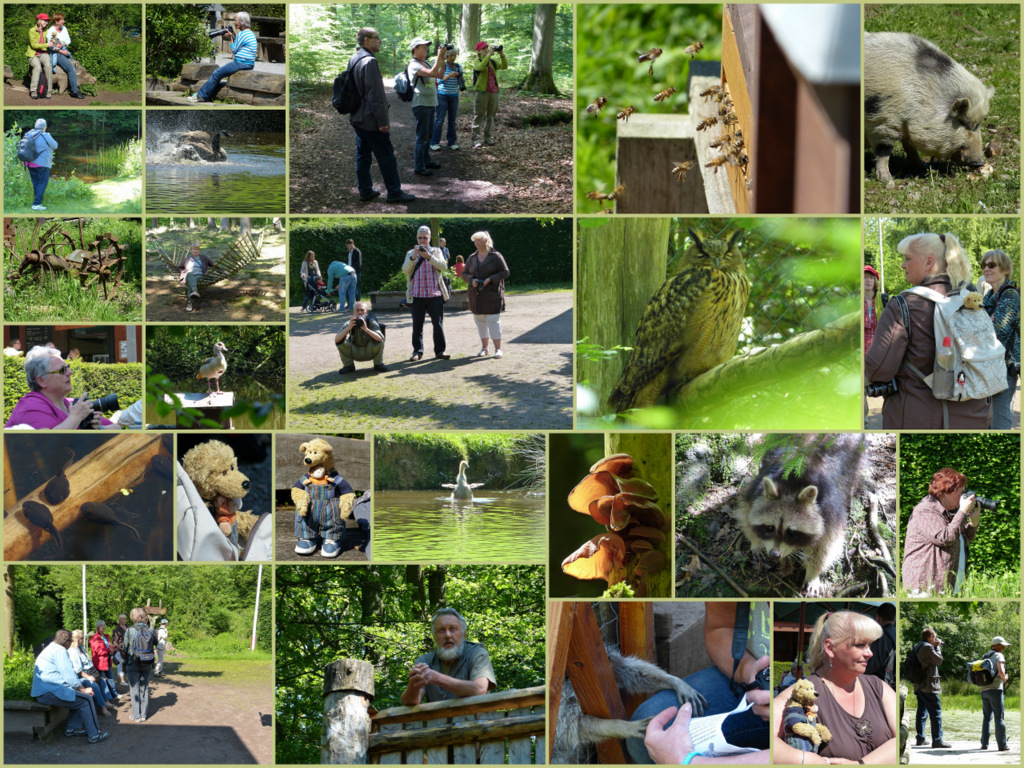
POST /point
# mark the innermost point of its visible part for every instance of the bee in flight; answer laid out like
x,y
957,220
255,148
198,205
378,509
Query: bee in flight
x,y
679,170
694,49
625,114
665,94
650,56
615,194
703,125
714,90
597,105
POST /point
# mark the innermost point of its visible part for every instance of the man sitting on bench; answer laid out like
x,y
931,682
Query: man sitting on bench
x,y
55,683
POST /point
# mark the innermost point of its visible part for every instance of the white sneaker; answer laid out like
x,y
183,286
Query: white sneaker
x,y
435,147
193,99
38,207
497,353
478,145
453,146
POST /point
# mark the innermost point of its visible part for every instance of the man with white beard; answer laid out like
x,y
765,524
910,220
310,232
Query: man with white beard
x,y
454,670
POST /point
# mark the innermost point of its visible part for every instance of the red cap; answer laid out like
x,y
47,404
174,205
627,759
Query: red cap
x,y
42,16
872,271
481,45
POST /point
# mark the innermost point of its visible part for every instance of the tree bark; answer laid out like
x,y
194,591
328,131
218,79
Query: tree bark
x,y
154,223
469,29
278,225
622,263
348,691
225,225
436,585
191,222
211,223
245,225
8,611
540,78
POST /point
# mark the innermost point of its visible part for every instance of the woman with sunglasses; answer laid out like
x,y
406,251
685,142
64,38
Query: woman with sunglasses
x,y
47,405
1003,305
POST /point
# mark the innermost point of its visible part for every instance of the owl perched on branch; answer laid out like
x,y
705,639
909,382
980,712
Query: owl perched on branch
x,y
691,324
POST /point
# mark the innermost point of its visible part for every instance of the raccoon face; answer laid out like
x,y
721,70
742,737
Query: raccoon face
x,y
783,526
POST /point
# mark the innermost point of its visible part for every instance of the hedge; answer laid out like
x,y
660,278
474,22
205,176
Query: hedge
x,y
991,463
419,462
538,251
98,379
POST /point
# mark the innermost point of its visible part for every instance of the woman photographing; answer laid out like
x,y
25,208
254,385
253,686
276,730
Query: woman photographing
x,y
47,405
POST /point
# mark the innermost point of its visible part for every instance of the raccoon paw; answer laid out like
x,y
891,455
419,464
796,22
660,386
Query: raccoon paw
x,y
641,728
687,694
816,589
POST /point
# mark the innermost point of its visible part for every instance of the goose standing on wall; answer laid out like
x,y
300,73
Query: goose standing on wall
x,y
462,489
214,367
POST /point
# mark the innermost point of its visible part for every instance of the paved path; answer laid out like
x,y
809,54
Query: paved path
x,y
964,753
529,388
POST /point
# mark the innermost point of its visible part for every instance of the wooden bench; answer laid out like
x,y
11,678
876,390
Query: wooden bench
x,y
29,718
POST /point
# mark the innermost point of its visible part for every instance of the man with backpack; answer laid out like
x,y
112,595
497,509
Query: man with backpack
x,y
35,150
992,704
882,663
369,119
928,655
485,84
140,654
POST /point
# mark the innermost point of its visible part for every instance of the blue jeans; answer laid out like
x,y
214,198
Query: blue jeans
x,y
992,705
40,178
83,712
107,677
928,704
1002,416
210,87
371,144
99,694
424,124
347,292
420,309
743,730
447,105
138,682
64,62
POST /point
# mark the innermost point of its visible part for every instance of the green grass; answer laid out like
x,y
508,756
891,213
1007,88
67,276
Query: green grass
x,y
61,299
986,40
525,289
986,585
223,648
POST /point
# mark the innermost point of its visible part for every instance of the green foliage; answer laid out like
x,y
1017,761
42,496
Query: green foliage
x,y
536,250
991,463
96,378
422,461
986,41
976,234
381,614
724,447
18,675
175,35
105,39
609,37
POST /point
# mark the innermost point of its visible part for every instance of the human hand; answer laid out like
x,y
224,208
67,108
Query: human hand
x,y
81,408
669,746
383,129
86,690
966,502
419,676
762,701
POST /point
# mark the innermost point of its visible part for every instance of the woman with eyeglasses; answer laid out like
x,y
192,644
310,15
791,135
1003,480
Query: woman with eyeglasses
x,y
1003,305
47,405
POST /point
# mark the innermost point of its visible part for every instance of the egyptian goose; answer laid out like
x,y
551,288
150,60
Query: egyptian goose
x,y
214,367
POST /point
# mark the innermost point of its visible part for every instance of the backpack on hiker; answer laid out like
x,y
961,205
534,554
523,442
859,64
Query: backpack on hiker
x,y
142,647
404,86
969,360
345,96
913,670
28,150
982,671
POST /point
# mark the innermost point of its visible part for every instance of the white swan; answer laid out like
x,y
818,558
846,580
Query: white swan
x,y
462,489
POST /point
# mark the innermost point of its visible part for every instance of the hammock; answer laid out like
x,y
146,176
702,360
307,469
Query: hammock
x,y
241,253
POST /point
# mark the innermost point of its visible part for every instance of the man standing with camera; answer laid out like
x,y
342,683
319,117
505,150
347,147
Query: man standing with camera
x,y
424,267
485,83
361,339
927,690
370,122
424,101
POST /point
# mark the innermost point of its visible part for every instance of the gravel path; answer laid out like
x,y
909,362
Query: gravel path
x,y
529,388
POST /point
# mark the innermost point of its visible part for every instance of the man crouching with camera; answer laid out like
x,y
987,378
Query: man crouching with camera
x,y
361,339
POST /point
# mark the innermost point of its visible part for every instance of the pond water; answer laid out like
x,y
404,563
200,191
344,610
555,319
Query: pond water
x,y
79,153
247,390
427,526
251,180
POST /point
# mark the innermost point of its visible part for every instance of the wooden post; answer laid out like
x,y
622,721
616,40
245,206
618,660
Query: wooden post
x,y
348,691
636,638
622,262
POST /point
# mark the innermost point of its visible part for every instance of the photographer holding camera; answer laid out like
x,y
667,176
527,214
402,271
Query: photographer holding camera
x,y
939,534
361,339
243,46
424,270
937,262
929,655
47,405
485,83
424,101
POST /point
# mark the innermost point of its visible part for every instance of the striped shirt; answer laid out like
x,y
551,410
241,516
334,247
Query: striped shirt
x,y
449,87
244,47
424,282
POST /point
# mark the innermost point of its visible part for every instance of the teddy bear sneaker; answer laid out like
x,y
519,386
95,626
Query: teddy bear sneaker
x,y
305,547
330,548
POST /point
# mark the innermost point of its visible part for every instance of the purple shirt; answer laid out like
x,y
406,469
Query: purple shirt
x,y
36,410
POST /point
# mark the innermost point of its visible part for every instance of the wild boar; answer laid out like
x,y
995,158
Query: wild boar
x,y
916,94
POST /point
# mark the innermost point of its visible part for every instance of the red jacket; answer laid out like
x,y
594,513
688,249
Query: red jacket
x,y
99,644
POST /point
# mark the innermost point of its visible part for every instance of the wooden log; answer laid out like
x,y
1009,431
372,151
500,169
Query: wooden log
x,y
261,100
351,459
390,758
197,72
721,196
636,619
488,702
227,92
492,752
119,463
260,82
560,622
348,691
459,733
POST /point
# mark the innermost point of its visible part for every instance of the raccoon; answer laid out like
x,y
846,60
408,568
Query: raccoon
x,y
576,732
803,514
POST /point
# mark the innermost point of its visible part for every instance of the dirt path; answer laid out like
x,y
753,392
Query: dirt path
x,y
529,388
526,171
256,293
200,712
19,98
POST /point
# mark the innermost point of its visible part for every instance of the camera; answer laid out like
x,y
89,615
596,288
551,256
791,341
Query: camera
x,y
360,322
220,32
449,47
881,388
989,505
498,48
105,403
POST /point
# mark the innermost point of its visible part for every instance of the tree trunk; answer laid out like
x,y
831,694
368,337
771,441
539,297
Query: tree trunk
x,y
211,223
540,78
225,225
278,225
154,223
469,30
245,225
9,612
191,222
348,691
436,585
448,23
617,289
372,600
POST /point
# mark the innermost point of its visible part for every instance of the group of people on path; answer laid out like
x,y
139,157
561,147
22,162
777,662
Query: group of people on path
x,y
69,674
435,99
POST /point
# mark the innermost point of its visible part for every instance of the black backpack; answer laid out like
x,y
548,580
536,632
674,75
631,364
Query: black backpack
x,y
27,151
346,97
982,671
913,671
143,646
44,87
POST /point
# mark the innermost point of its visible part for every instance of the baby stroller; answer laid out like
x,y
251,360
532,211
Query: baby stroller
x,y
322,301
